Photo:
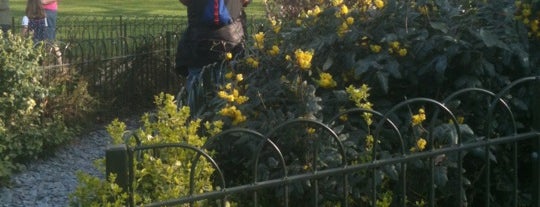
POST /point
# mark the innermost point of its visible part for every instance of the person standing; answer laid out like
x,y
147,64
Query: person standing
x,y
207,41
5,16
51,10
34,22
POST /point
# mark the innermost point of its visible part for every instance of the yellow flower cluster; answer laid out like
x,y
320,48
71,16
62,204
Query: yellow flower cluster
x,y
375,48
350,20
343,29
326,81
369,142
395,47
314,12
228,56
232,95
276,26
524,14
337,2
259,40
303,58
343,10
254,63
274,51
378,3
418,118
360,97
235,114
421,144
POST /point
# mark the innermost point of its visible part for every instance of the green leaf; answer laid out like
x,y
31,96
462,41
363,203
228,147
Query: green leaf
x,y
491,39
441,26
328,63
441,62
383,80
488,68
362,66
393,68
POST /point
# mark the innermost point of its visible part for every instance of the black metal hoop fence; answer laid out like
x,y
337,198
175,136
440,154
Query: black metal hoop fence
x,y
460,166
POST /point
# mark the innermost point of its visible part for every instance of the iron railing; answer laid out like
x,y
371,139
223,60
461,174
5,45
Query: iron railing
x,y
461,167
123,58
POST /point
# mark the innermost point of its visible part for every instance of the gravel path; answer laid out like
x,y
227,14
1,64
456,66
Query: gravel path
x,y
49,181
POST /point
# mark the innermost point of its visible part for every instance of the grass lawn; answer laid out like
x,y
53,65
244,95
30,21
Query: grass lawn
x,y
139,8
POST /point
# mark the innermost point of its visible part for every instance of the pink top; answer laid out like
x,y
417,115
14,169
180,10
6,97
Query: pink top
x,y
52,6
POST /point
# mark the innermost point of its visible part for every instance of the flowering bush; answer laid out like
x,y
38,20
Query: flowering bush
x,y
316,57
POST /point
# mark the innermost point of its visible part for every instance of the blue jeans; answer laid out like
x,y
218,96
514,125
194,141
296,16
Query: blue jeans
x,y
201,85
51,24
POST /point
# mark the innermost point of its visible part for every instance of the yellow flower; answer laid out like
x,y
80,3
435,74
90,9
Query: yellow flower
x,y
241,99
402,52
259,40
326,81
274,51
311,130
394,45
344,28
421,144
233,113
336,2
375,48
369,142
316,10
229,75
225,96
298,22
303,58
239,77
379,4
418,118
276,26
252,62
287,57
228,56
344,10
350,20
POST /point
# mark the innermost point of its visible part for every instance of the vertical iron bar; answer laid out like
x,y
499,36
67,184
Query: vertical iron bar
x,y
536,155
432,182
116,161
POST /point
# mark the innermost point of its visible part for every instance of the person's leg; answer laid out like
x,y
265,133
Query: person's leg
x,y
193,89
51,24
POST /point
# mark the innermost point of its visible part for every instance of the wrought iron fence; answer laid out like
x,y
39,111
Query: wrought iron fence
x,y
123,58
463,165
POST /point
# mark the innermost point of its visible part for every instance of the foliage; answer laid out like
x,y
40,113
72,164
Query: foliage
x,y
35,104
160,173
301,63
315,61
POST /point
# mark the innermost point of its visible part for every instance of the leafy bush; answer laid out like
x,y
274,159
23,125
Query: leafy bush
x,y
34,109
160,173
318,59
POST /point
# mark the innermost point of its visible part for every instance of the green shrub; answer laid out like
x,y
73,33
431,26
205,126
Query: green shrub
x,y
160,174
29,125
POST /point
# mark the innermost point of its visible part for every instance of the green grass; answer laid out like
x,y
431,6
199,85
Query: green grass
x,y
139,8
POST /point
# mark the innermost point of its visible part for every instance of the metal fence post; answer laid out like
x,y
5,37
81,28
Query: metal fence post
x,y
116,161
